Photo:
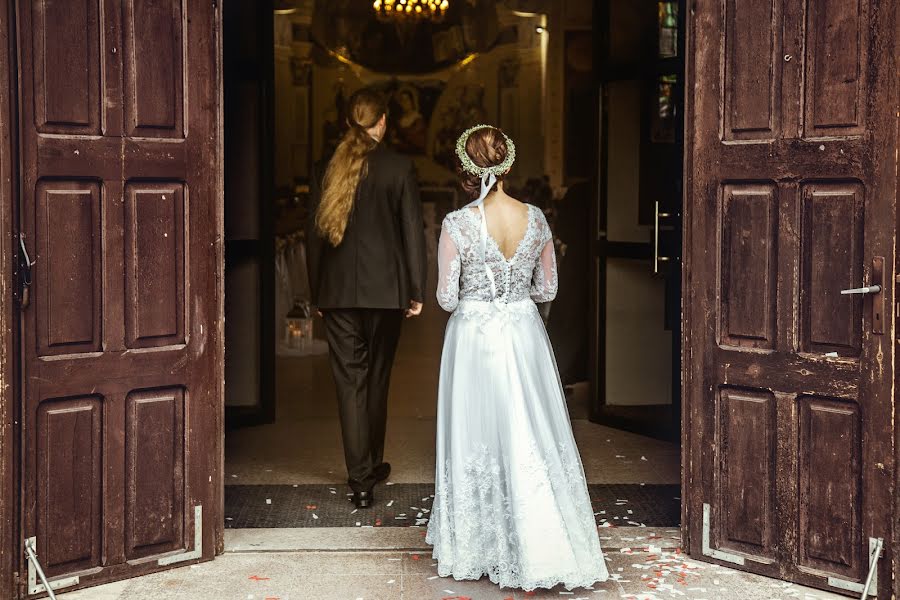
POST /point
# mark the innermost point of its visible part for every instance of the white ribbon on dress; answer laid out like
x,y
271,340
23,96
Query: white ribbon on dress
x,y
487,182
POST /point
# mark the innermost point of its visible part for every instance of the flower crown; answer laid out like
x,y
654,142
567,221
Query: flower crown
x,y
469,165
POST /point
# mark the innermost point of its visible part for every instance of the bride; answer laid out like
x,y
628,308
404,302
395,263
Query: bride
x,y
511,499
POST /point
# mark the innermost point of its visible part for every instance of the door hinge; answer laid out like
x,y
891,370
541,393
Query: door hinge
x,y
35,572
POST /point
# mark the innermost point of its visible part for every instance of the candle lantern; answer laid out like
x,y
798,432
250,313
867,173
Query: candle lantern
x,y
298,326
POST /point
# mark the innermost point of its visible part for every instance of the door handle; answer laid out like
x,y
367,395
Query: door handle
x,y
869,289
656,217
875,289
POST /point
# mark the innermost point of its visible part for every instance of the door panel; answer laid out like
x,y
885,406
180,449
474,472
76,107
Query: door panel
x,y
66,46
747,472
120,211
154,513
791,196
829,486
638,354
155,258
67,236
748,275
838,43
69,482
751,107
832,220
153,61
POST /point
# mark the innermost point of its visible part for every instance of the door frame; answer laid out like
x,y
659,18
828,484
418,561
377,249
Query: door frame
x,y
9,358
687,292
894,544
12,581
218,334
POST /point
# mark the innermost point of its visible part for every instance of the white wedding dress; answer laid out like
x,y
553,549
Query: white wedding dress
x,y
511,500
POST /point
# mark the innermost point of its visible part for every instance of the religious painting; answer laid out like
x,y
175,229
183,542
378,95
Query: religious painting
x,y
461,108
410,107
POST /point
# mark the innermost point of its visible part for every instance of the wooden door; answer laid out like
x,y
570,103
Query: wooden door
x,y
248,82
791,196
635,225
120,212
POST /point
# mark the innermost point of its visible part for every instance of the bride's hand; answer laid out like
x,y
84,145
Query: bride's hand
x,y
414,310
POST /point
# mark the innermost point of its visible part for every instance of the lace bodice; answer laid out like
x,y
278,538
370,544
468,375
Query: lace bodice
x,y
531,272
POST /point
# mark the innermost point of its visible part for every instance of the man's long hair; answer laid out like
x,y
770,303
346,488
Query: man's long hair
x,y
348,165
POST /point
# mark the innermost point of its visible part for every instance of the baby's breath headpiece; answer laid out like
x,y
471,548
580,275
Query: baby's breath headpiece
x,y
469,165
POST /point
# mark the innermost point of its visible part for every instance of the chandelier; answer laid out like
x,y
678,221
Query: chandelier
x,y
411,10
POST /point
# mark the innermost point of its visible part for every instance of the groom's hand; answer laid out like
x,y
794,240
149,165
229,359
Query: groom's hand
x,y
414,310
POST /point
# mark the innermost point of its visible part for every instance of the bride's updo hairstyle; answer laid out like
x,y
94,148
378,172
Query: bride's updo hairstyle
x,y
486,147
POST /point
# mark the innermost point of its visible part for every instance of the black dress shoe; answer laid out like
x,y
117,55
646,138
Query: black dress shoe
x,y
363,499
382,472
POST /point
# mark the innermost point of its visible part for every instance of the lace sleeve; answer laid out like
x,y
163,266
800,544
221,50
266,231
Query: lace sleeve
x,y
544,280
448,270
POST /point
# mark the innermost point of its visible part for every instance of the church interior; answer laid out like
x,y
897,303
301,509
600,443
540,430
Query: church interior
x,y
591,94
169,420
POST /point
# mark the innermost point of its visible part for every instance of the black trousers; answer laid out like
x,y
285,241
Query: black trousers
x,y
362,343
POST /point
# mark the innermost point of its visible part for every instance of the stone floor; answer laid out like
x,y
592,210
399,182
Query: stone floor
x,y
309,451
304,446
261,565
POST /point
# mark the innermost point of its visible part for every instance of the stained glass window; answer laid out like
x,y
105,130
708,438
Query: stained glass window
x,y
668,29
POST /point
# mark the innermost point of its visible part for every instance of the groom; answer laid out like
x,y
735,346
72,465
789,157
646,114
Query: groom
x,y
366,282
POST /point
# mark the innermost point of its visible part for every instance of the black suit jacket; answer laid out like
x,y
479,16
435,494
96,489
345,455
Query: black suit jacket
x,y
381,261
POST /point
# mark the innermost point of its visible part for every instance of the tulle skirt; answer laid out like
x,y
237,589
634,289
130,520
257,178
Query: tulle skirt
x,y
511,500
